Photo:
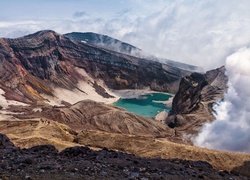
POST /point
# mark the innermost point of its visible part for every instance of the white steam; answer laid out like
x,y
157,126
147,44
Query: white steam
x,y
231,129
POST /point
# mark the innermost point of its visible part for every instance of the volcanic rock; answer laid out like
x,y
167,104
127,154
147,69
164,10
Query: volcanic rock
x,y
192,104
5,142
161,116
44,162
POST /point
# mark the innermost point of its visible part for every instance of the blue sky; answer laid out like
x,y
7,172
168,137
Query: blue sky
x,y
200,32
64,9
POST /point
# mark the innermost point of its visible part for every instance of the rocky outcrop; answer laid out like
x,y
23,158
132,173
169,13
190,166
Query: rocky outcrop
x,y
5,142
192,104
189,94
32,65
161,116
79,162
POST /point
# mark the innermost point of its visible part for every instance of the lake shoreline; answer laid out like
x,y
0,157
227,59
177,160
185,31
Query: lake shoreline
x,y
135,93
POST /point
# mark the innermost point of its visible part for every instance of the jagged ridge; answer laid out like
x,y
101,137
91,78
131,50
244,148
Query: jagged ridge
x,y
192,104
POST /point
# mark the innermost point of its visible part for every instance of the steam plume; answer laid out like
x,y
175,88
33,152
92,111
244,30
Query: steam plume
x,y
231,129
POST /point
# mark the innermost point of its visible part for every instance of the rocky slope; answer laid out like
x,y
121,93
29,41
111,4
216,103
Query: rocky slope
x,y
192,104
112,44
35,64
104,42
90,115
45,162
33,132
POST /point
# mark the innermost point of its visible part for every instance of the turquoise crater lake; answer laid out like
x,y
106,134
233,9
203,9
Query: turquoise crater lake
x,y
148,105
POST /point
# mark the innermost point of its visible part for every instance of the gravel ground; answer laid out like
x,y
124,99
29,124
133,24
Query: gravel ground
x,y
45,162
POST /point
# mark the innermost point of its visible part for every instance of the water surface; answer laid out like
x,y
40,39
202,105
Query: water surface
x,y
148,105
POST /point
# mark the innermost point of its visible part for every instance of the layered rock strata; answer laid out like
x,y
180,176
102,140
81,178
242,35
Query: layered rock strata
x,y
193,103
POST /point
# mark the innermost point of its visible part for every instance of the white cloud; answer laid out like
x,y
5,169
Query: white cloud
x,y
197,32
231,129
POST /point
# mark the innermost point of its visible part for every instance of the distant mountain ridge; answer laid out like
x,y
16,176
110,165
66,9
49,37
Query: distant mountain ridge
x,y
113,44
103,41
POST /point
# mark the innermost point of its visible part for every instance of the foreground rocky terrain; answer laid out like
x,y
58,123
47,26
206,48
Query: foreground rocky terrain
x,y
79,162
34,132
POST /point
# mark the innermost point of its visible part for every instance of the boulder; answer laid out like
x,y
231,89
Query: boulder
x,y
5,142
161,116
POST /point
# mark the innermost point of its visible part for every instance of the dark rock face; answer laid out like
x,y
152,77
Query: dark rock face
x,y
44,149
31,64
44,162
5,142
192,105
189,94
244,169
